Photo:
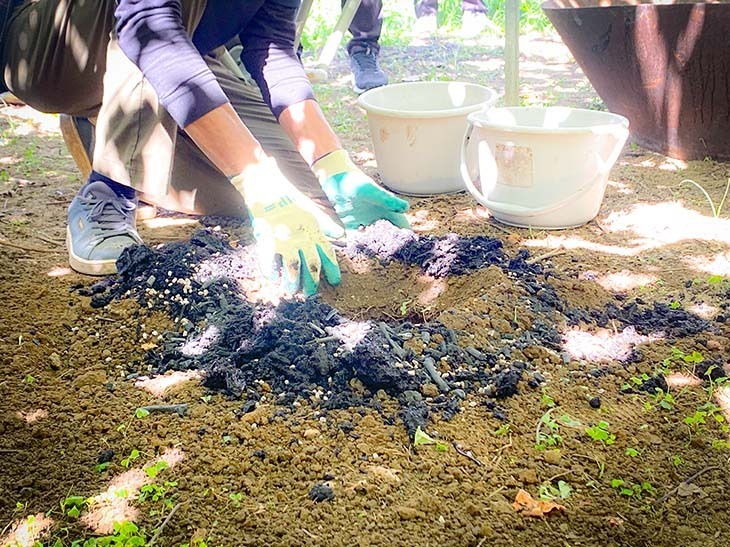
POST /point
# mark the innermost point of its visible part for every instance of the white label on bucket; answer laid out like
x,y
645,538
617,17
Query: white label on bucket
x,y
514,165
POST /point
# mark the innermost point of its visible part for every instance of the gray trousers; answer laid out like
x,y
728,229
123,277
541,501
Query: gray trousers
x,y
62,56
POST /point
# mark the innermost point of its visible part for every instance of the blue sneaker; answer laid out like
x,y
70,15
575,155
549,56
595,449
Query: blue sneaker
x,y
366,70
101,225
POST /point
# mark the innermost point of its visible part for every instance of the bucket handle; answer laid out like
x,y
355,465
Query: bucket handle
x,y
511,209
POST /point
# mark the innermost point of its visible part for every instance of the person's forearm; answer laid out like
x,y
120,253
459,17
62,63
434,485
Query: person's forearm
x,y
223,138
308,129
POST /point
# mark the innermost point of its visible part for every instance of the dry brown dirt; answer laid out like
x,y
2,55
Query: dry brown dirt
x,y
66,400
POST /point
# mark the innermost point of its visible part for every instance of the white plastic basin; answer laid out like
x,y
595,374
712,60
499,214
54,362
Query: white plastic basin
x,y
541,167
417,129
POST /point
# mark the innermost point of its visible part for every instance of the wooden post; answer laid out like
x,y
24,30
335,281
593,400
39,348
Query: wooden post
x,y
335,39
512,52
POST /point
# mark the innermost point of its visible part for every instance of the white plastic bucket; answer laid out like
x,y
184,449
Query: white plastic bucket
x,y
541,167
417,129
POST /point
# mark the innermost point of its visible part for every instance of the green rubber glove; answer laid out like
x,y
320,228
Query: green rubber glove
x,y
357,200
285,228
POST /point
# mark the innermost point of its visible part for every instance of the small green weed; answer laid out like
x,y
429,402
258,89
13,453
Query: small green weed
x,y
155,492
699,419
601,433
133,455
422,438
664,399
632,452
547,401
550,439
631,489
153,470
141,413
101,467
720,444
502,430
73,505
548,492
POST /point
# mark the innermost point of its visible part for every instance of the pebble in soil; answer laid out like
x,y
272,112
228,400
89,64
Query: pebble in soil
x,y
306,350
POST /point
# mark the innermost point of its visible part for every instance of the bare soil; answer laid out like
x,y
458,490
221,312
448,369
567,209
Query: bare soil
x,y
581,329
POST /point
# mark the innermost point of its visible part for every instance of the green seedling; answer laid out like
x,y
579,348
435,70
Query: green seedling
x,y
141,413
155,492
101,467
29,379
707,411
675,304
422,438
664,400
550,439
73,505
601,433
236,498
632,490
689,358
133,455
714,382
632,452
548,492
502,430
547,401
153,470
720,444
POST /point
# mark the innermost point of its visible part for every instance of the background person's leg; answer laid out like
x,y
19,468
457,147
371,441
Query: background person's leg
x,y
426,16
363,48
366,26
474,18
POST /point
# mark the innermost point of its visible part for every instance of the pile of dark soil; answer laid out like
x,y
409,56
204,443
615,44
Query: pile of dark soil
x,y
305,350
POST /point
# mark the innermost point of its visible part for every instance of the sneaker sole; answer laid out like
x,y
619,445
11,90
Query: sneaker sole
x,y
88,267
360,91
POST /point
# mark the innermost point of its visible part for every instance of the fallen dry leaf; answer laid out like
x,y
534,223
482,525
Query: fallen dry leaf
x,y
690,489
526,505
615,521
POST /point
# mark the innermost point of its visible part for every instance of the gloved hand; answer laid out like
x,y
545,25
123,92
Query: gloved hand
x,y
357,200
284,225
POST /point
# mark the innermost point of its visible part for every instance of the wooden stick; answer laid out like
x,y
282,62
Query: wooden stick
x,y
180,409
669,494
549,254
7,243
512,52
158,532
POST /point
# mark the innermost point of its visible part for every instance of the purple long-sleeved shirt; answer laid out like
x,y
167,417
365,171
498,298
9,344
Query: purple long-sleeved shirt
x,y
152,34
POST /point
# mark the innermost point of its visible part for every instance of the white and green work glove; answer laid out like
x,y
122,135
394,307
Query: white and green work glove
x,y
285,227
357,200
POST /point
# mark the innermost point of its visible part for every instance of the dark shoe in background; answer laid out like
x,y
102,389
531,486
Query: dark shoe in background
x,y
366,70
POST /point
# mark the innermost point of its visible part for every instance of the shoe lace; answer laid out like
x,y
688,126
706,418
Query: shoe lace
x,y
111,215
366,59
